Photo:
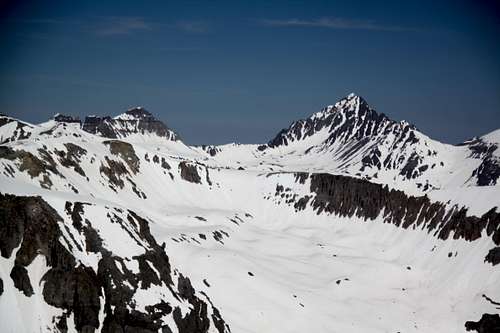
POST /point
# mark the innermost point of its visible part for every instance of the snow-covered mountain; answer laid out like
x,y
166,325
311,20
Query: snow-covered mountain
x,y
346,221
351,138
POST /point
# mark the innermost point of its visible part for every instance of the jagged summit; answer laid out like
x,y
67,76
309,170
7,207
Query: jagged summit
x,y
349,101
360,141
351,118
136,120
135,113
62,118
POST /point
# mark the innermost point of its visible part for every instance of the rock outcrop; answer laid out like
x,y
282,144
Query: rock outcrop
x,y
18,130
30,224
134,121
189,172
489,323
488,172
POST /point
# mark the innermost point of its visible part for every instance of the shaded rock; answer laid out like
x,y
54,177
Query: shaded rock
x,y
493,256
76,289
209,182
61,118
102,126
66,286
164,164
32,164
72,157
488,172
211,150
115,171
19,275
489,323
189,172
127,153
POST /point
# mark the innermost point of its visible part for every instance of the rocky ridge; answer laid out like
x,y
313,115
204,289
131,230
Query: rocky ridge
x,y
82,290
133,121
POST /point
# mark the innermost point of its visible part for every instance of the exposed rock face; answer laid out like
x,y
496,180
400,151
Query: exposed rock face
x,y
489,323
347,197
18,131
189,172
19,275
494,256
117,171
32,221
71,158
211,150
133,121
350,118
61,118
164,164
100,126
29,222
488,172
126,152
33,165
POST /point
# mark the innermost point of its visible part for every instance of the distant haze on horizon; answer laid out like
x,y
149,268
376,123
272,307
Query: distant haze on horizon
x,y
220,72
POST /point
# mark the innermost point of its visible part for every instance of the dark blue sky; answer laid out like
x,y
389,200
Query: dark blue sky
x,y
239,71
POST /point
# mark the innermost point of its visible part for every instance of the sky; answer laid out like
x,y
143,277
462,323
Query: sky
x,y
239,71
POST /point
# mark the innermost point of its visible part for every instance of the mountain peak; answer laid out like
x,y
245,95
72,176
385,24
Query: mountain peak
x,y
135,113
62,118
353,97
351,118
351,101
136,120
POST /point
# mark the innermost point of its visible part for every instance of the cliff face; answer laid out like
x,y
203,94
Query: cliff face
x,y
111,287
348,197
134,121
488,172
100,126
